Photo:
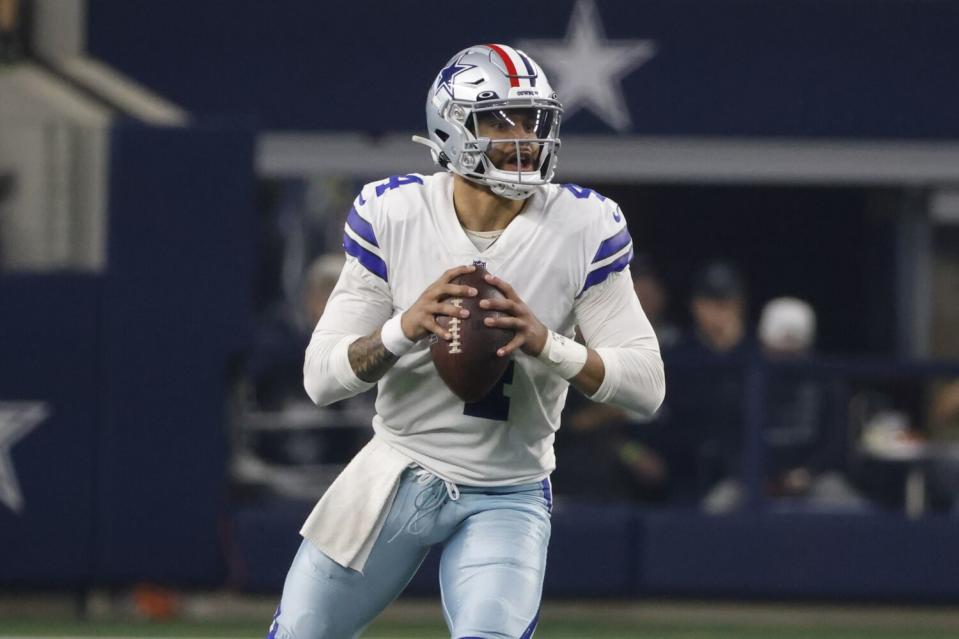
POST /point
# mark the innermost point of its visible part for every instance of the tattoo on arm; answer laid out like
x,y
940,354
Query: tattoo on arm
x,y
369,358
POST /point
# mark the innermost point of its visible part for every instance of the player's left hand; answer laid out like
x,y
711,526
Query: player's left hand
x,y
530,334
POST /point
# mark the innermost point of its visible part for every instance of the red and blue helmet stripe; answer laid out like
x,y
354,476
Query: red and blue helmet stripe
x,y
514,61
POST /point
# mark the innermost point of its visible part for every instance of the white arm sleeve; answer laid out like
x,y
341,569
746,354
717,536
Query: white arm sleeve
x,y
614,325
359,305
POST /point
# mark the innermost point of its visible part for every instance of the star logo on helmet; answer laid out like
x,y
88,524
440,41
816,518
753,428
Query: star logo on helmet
x,y
445,80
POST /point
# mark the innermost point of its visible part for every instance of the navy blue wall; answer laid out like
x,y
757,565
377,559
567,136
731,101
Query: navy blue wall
x,y
869,556
177,309
602,550
126,479
843,68
51,353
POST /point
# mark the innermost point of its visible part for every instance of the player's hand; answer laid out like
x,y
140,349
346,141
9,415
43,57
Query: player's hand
x,y
530,334
419,320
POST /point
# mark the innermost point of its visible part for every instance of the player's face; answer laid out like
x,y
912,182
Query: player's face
x,y
523,125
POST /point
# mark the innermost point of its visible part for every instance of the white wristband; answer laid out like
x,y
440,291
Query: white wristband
x,y
393,337
565,356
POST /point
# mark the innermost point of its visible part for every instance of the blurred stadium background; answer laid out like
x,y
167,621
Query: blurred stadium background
x,y
174,177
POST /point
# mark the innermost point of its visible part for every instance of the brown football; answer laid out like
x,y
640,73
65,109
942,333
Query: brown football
x,y
468,362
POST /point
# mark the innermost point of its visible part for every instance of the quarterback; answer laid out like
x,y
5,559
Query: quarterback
x,y
471,477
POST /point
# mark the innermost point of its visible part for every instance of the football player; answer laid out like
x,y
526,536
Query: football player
x,y
471,477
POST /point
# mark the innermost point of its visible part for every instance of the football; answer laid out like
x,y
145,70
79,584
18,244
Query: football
x,y
468,362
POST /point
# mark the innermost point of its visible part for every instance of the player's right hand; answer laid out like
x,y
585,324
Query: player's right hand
x,y
419,320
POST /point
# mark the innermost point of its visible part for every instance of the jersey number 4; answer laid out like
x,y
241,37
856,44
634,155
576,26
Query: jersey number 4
x,y
495,405
581,192
397,181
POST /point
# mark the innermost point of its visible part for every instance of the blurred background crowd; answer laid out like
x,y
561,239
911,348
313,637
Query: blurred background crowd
x,y
174,179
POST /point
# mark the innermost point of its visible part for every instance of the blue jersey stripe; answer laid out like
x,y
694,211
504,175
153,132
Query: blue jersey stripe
x,y
275,625
361,227
548,494
370,260
600,274
530,628
613,245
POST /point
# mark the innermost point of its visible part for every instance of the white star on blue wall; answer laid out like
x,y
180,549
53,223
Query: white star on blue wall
x,y
586,68
17,419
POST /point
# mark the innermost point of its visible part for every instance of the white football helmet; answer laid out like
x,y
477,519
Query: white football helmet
x,y
482,88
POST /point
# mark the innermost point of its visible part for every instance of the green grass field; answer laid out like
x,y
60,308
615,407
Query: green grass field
x,y
583,620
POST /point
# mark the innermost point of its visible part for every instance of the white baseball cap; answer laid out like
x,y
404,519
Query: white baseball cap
x,y
787,324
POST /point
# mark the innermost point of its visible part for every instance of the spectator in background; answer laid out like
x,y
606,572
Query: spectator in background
x,y
610,453
276,362
944,412
718,307
282,441
943,427
654,299
706,371
804,435
787,328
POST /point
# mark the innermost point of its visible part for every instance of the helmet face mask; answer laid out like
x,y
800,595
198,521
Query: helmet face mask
x,y
493,125
519,143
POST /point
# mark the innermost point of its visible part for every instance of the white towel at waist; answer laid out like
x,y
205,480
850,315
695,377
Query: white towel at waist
x,y
347,520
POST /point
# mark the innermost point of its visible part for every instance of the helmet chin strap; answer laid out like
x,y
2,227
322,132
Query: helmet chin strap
x,y
511,191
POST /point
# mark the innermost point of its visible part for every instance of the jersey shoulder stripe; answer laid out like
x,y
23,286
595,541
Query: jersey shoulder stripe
x,y
359,233
612,245
359,240
615,251
361,227
370,260
600,275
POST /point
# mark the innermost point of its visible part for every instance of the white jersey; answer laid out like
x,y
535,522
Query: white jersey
x,y
566,245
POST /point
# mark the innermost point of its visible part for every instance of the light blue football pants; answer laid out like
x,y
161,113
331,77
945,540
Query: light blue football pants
x,y
491,570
